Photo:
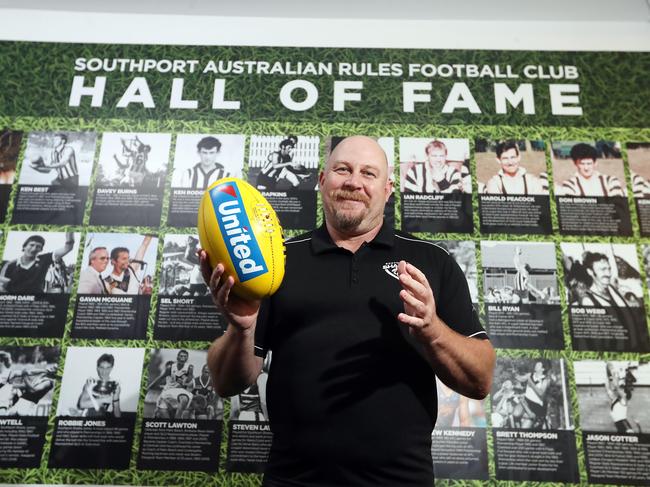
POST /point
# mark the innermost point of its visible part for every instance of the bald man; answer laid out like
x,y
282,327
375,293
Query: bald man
x,y
366,317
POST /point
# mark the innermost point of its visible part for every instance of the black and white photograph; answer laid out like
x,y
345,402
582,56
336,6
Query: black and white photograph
x,y
180,274
613,395
605,297
185,308
118,264
60,159
588,168
28,376
529,393
282,162
100,382
180,407
36,274
115,285
464,253
9,149
130,179
613,399
133,160
520,290
250,404
511,167
97,407
459,441
199,161
284,168
434,165
249,433
513,186
54,177
38,262
638,157
590,188
532,420
435,184
602,274
519,272
179,386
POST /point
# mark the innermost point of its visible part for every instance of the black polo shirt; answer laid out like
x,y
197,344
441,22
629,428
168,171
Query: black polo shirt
x,y
350,395
30,280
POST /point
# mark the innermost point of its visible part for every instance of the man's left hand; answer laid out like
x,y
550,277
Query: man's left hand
x,y
419,304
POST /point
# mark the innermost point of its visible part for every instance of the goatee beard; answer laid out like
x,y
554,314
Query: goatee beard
x,y
345,221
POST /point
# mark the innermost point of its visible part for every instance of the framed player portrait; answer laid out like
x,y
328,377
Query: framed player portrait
x,y
133,160
531,393
613,395
511,167
200,159
100,381
434,165
601,274
588,168
179,386
28,375
180,273
61,158
283,162
38,262
117,264
519,272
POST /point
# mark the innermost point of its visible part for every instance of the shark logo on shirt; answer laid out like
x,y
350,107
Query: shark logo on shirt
x,y
391,269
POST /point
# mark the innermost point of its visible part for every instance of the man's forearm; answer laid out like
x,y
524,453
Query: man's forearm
x,y
465,364
67,247
232,361
85,401
139,255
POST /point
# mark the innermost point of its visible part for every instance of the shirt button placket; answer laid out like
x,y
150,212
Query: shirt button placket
x,y
355,271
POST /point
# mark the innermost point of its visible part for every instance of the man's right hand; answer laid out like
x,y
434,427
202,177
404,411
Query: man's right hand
x,y
90,383
240,312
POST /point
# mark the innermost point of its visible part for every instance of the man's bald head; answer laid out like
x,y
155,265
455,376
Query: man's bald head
x,y
359,143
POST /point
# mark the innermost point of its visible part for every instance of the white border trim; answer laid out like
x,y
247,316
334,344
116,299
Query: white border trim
x,y
297,241
477,333
417,240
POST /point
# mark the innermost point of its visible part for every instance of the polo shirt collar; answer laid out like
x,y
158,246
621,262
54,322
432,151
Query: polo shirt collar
x,y
322,241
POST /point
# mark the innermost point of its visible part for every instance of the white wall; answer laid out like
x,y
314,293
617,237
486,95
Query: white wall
x,y
629,31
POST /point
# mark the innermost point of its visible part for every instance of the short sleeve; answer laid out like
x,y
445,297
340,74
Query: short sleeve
x,y
8,269
454,305
46,259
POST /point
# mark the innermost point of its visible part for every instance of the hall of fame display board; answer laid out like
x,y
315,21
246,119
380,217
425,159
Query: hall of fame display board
x,y
106,320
